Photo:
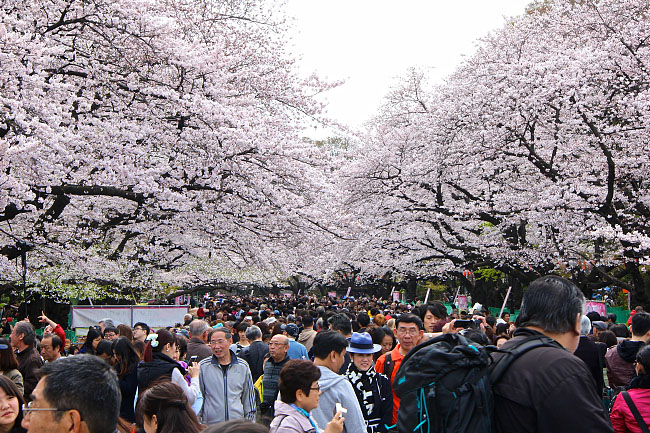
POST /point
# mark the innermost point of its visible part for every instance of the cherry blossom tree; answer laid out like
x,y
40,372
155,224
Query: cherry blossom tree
x,y
139,136
533,153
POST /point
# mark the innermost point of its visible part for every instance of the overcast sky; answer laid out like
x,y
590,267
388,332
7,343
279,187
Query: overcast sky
x,y
370,43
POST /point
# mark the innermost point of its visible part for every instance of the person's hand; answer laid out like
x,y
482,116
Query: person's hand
x,y
336,424
449,328
483,323
194,370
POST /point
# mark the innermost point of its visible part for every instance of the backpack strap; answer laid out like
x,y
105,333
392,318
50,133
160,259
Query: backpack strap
x,y
498,369
637,416
388,367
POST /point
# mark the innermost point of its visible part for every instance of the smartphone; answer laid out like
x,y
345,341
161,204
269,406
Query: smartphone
x,y
193,360
465,324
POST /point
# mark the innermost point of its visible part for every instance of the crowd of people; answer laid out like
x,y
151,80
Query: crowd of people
x,y
307,364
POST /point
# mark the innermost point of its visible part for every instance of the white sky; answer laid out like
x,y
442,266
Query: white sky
x,y
370,43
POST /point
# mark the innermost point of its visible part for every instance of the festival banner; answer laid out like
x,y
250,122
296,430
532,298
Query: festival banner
x,y
597,306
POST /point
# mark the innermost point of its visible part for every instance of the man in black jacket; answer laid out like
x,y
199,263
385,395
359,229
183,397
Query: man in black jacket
x,y
256,352
548,389
29,361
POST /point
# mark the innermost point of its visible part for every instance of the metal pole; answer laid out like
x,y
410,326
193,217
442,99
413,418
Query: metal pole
x,y
504,302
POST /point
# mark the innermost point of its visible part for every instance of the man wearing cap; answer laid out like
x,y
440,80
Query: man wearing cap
x,y
296,350
373,390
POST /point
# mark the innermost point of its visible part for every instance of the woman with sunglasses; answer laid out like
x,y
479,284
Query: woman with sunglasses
x,y
299,393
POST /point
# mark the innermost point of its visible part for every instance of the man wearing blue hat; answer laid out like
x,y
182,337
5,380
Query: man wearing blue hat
x,y
373,390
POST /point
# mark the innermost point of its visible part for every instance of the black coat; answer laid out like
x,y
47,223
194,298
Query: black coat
x,y
254,355
547,390
382,411
593,355
160,367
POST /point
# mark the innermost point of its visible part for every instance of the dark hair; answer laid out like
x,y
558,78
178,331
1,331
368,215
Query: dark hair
x,y
112,329
341,322
363,319
242,327
500,336
10,388
126,356
237,426
642,380
377,333
491,320
164,338
173,412
298,374
620,330
390,333
56,340
476,336
27,330
551,303
87,384
327,341
124,331
612,317
307,321
181,342
143,326
8,359
594,316
409,318
502,328
640,324
105,347
93,332
608,338
435,308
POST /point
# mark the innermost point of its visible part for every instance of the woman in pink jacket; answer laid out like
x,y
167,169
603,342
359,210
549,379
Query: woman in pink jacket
x,y
623,416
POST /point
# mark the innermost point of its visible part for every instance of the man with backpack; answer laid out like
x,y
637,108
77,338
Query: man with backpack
x,y
409,330
547,388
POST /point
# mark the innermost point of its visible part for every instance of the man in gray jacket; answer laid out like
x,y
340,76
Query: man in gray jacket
x,y
226,383
329,354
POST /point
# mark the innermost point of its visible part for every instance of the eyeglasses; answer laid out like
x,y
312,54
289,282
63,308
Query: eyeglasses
x,y
215,342
316,388
412,332
28,409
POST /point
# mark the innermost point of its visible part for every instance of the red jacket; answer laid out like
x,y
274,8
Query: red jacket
x,y
61,334
621,416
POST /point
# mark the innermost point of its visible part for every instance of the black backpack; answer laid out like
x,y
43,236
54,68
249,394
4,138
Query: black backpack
x,y
445,384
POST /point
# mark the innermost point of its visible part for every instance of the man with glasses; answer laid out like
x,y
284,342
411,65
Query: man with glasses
x,y
111,333
226,383
75,394
140,332
409,332
278,349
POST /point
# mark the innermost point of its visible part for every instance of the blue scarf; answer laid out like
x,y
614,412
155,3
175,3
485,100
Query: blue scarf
x,y
306,414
